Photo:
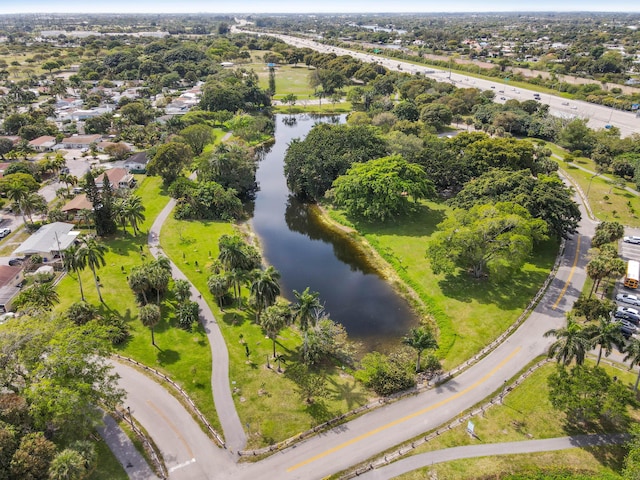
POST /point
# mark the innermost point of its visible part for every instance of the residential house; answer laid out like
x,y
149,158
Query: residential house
x,y
43,144
75,206
11,279
48,241
119,178
80,141
137,163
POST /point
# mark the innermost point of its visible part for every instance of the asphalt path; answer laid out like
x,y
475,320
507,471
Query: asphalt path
x,y
597,115
384,428
489,449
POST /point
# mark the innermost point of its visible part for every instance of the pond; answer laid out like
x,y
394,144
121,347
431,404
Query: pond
x,y
309,255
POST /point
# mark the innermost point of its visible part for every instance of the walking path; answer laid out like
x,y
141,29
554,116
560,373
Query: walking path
x,y
490,449
124,450
234,434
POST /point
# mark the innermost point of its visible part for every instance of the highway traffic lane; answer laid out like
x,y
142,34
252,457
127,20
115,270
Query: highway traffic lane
x,y
188,453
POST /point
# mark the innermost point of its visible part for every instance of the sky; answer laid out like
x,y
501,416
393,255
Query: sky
x,y
306,6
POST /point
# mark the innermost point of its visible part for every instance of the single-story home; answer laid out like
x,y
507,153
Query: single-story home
x,y
43,143
10,280
48,241
80,141
118,178
137,163
74,206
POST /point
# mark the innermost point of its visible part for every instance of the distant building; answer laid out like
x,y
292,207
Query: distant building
x,y
80,141
43,144
117,177
48,241
74,206
137,163
10,280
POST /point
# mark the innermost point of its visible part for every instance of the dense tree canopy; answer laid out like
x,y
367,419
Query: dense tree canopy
x,y
380,189
169,160
485,239
545,196
311,165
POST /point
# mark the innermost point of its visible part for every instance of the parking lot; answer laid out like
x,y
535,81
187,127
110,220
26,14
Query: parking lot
x,y
627,311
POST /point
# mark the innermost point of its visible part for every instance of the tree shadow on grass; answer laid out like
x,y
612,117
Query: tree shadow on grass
x,y
167,357
234,319
347,392
319,411
422,222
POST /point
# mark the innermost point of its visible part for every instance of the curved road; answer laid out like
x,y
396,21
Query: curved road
x,y
364,437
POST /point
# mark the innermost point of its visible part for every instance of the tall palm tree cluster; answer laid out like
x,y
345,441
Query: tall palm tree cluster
x,y
129,210
238,265
89,252
150,282
574,341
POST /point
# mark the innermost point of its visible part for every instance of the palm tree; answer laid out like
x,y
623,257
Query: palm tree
x,y
218,285
304,311
420,339
67,465
75,262
16,192
150,316
138,282
32,203
134,212
39,297
265,289
119,213
633,356
274,319
92,254
158,278
606,334
572,343
237,277
182,290
233,254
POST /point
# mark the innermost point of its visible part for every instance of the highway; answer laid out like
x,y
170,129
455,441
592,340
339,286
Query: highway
x,y
597,115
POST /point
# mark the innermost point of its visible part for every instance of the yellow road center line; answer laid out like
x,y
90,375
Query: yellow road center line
x,y
408,417
172,427
573,269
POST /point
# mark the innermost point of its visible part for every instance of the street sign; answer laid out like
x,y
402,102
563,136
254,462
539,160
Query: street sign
x,y
470,428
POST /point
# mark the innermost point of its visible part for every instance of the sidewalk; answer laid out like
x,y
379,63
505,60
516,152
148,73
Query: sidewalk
x,y
122,447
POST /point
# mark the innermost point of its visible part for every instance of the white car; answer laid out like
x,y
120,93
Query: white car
x,y
633,239
628,298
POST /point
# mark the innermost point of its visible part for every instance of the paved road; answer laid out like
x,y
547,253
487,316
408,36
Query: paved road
x,y
472,451
598,115
386,427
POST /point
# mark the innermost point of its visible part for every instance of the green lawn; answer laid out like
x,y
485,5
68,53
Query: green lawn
x,y
185,356
469,313
108,467
525,414
265,400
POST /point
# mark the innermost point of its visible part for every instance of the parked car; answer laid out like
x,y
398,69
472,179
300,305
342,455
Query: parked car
x,y
4,232
627,328
16,262
632,239
628,298
628,313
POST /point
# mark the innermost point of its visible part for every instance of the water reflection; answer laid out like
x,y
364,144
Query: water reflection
x,y
309,255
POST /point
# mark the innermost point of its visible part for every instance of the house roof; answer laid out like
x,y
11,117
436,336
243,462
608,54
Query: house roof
x,y
113,174
52,237
140,158
36,142
8,273
82,139
79,202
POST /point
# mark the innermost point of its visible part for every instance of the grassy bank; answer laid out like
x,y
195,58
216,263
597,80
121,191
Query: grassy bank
x,y
469,313
266,400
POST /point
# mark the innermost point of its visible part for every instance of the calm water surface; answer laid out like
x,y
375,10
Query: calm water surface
x,y
307,255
